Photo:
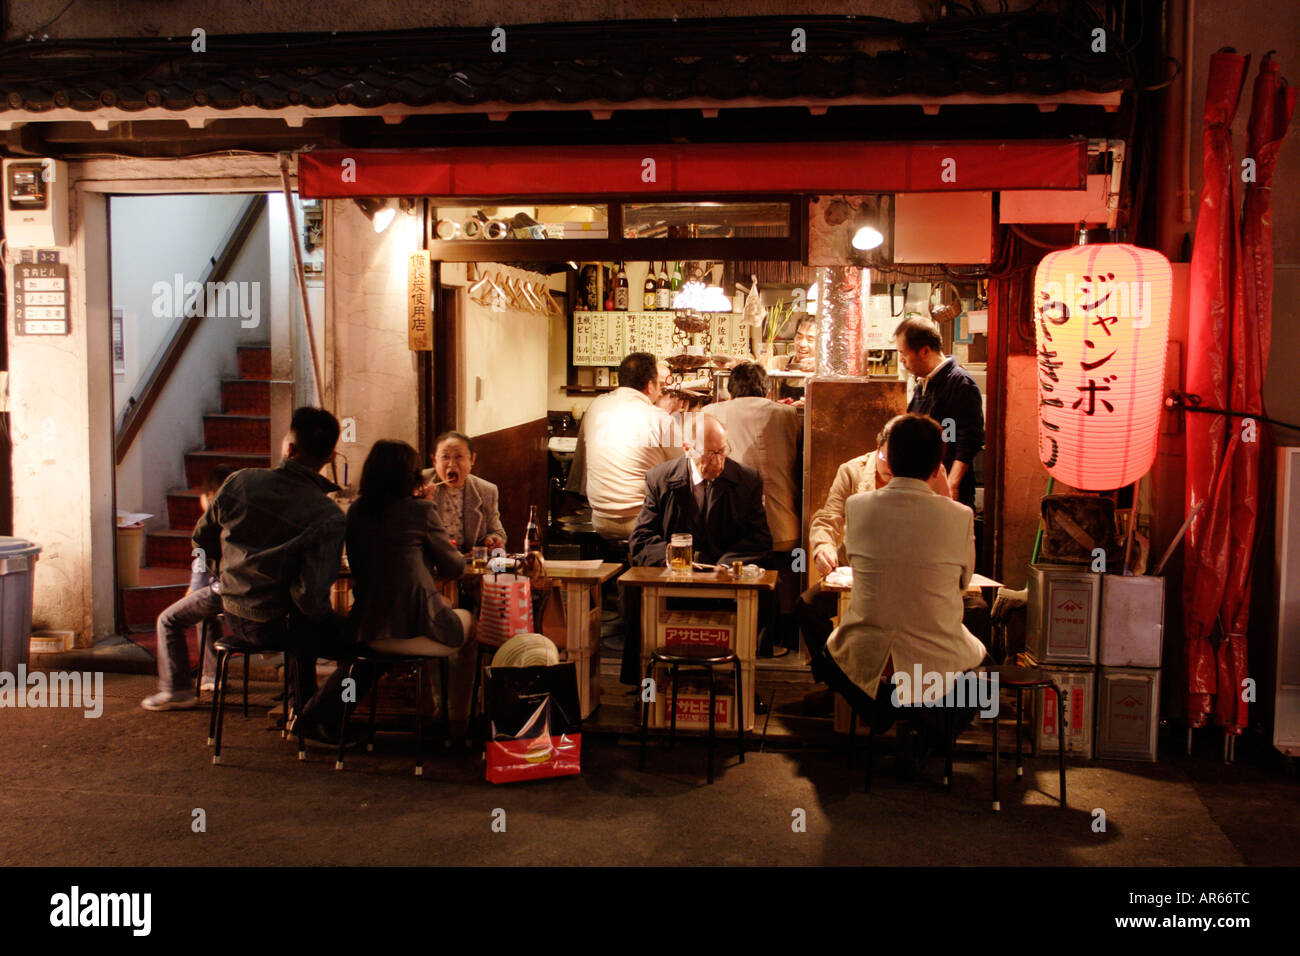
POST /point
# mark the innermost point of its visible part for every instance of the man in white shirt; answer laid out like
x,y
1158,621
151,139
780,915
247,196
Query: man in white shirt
x,y
626,435
765,435
912,553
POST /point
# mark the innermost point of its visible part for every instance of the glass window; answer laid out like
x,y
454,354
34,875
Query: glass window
x,y
519,222
706,220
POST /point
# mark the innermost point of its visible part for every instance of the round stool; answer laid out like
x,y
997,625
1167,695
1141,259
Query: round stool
x,y
695,656
1021,679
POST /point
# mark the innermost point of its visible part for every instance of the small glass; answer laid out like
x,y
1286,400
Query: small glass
x,y
680,553
478,560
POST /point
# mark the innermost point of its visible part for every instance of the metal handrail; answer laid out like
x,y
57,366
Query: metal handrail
x,y
139,407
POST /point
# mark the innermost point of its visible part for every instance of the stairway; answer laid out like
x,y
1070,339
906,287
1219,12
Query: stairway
x,y
240,435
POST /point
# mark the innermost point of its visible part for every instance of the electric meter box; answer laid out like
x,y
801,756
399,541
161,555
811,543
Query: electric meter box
x,y
36,203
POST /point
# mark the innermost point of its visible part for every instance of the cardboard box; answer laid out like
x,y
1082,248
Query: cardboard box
x,y
704,629
1062,615
1128,713
1078,684
1132,621
693,699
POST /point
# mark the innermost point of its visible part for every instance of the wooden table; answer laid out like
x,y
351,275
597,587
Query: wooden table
x,y
845,591
580,589
658,584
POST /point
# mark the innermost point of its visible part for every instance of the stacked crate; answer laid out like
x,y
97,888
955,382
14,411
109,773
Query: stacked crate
x,y
702,628
1099,637
1061,639
1128,680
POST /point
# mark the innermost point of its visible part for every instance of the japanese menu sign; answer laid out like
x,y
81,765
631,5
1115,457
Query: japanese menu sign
x,y
606,338
41,298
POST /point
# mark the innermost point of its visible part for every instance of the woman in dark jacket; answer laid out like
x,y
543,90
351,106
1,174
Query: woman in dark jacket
x,y
396,545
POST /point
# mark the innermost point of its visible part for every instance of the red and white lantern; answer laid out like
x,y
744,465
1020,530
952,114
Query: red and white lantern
x,y
1101,314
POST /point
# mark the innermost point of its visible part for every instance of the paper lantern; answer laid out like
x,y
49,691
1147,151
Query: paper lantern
x,y
1101,314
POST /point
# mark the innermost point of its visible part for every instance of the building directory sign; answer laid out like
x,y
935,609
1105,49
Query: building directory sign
x,y
41,298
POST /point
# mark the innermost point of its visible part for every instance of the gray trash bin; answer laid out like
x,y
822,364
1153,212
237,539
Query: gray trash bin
x,y
17,565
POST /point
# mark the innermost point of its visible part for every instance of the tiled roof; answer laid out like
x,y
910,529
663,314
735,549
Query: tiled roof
x,y
1038,57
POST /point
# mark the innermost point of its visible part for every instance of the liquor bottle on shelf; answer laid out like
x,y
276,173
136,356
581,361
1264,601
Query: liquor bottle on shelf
x,y
609,288
532,535
650,295
676,285
663,294
620,290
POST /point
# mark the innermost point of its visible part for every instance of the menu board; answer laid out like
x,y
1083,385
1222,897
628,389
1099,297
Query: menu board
x,y
605,338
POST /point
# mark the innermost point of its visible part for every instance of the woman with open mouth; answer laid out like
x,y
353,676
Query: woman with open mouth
x,y
465,502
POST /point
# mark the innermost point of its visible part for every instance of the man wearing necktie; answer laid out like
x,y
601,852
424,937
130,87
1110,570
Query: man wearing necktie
x,y
946,392
713,498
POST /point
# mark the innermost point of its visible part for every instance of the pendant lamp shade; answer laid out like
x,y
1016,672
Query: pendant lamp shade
x,y
1101,317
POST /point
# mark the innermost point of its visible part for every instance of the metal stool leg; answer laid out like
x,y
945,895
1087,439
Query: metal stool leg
x,y
871,755
443,668
949,724
419,719
212,715
221,704
474,710
343,719
713,705
248,660
645,717
672,722
374,703
1020,699
1060,739
997,804
198,671
740,710
284,727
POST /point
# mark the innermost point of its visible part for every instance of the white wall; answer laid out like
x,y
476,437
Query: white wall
x,y
154,237
372,373
502,363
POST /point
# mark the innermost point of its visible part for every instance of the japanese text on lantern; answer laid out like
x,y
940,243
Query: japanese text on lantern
x,y
418,293
1096,304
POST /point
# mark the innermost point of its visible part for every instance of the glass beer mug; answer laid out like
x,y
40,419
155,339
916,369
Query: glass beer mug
x,y
680,554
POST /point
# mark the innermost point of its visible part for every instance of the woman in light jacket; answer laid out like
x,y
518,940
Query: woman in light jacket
x,y
466,504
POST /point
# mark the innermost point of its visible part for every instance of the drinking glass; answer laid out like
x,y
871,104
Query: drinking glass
x,y
478,560
680,553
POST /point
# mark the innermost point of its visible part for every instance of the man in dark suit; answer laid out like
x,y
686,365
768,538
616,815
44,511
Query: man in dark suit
x,y
717,501
946,392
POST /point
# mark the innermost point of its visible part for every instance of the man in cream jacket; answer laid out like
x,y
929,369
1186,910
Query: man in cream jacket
x,y
912,553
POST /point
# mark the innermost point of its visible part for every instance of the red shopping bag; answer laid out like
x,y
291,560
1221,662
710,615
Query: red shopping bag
x,y
536,726
506,608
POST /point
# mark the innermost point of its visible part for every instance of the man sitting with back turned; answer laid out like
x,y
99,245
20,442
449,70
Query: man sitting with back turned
x,y
625,435
717,501
281,540
912,553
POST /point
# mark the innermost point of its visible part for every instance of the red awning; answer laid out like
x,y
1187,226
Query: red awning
x,y
699,168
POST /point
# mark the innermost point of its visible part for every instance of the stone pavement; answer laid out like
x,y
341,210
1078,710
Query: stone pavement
x,y
121,790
